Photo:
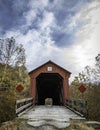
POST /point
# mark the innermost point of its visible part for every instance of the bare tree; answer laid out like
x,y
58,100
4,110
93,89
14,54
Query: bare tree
x,y
11,53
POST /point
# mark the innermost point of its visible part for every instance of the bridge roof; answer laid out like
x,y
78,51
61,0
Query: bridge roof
x,y
51,63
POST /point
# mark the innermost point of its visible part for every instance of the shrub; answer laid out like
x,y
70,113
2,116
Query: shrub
x,y
7,106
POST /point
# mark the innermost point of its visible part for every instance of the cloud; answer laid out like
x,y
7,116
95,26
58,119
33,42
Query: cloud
x,y
11,14
62,33
47,21
36,14
87,46
65,32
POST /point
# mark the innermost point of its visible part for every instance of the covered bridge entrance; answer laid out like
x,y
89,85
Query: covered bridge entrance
x,y
49,81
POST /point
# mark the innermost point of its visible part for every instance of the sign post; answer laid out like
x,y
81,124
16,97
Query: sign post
x,y
19,89
82,89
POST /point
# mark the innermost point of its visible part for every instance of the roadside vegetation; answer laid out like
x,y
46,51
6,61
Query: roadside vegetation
x,y
90,78
12,73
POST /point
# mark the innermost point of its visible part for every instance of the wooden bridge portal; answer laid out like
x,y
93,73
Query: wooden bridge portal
x,y
49,81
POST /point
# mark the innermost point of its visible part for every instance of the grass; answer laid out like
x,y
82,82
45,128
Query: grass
x,y
15,124
80,126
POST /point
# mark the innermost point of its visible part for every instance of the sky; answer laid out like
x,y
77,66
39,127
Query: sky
x,y
64,31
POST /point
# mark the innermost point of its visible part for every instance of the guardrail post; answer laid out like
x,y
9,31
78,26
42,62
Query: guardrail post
x,y
23,105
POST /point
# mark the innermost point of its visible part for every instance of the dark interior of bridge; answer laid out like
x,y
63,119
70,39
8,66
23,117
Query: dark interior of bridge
x,y
49,85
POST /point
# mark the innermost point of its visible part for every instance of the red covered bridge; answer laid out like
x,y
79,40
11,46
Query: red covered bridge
x,y
49,81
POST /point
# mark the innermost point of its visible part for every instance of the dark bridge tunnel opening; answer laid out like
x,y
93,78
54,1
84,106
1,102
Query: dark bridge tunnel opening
x,y
49,85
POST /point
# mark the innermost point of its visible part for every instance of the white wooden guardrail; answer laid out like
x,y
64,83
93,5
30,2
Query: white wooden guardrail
x,y
24,105
78,106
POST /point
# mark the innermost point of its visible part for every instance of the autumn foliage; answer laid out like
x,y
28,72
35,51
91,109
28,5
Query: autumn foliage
x,y
12,73
90,78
